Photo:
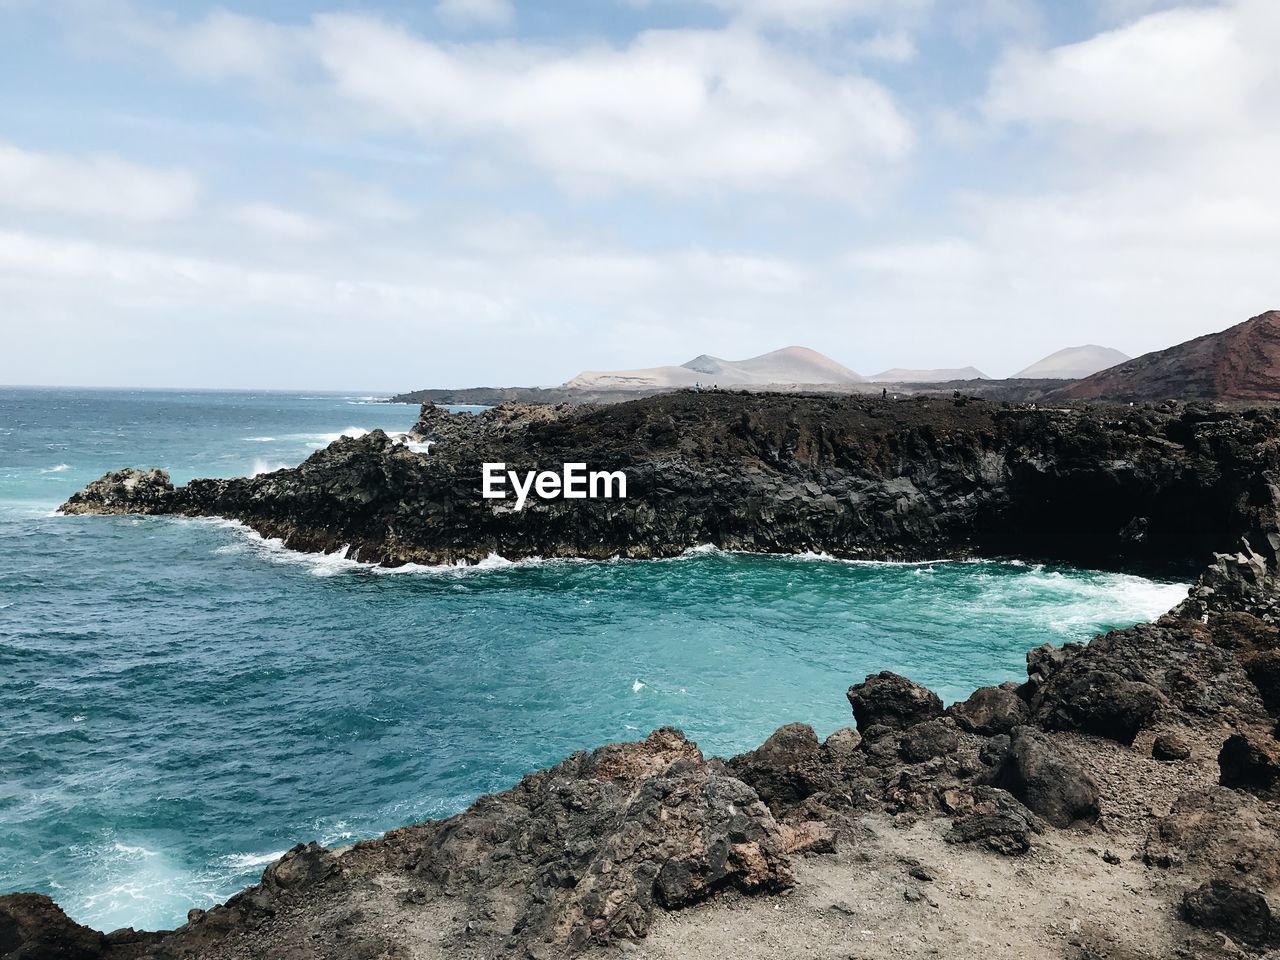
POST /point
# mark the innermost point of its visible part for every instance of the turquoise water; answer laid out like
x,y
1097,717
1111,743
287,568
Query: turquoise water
x,y
181,700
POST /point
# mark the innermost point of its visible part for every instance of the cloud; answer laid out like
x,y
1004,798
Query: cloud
x,y
280,223
1184,74
809,14
101,185
476,13
671,111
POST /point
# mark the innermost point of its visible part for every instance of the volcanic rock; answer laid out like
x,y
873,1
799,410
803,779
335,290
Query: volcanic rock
x,y
889,700
1170,747
1047,780
1242,914
1249,761
126,491
990,710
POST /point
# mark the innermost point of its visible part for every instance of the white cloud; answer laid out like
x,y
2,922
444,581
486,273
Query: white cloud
x,y
671,111
1188,73
476,13
810,14
101,185
280,223
674,111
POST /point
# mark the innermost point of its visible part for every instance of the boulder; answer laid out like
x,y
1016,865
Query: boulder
x,y
1100,702
887,699
1170,747
924,741
1044,778
1218,831
1241,914
586,851
990,711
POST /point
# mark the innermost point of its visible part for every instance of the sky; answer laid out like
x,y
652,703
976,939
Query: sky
x,y
389,196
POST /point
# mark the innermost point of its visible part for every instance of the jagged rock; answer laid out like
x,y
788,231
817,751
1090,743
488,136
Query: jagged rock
x,y
991,818
1249,762
990,710
33,927
125,491
932,738
841,748
889,700
1101,702
784,770
587,850
303,866
1045,779
1241,914
1170,747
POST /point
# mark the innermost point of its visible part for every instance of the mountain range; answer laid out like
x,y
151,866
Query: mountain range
x,y
791,365
803,366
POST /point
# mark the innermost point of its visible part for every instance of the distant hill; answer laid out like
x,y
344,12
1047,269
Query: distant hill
x,y
785,366
1241,363
1073,363
903,375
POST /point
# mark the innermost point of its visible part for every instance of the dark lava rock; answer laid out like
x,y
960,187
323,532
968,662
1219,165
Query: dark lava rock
x,y
785,769
1248,761
587,850
853,476
889,700
125,491
1100,702
33,927
1049,782
1005,832
841,748
991,818
932,738
1170,747
990,711
1241,914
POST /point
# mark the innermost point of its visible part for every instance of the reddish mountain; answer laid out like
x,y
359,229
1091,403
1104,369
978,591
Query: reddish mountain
x,y
1240,363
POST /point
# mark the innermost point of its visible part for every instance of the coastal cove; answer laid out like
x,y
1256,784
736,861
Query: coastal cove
x,y
189,700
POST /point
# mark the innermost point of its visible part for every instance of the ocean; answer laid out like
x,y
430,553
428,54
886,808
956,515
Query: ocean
x,y
181,701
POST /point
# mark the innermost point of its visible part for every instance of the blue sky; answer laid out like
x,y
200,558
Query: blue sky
x,y
386,196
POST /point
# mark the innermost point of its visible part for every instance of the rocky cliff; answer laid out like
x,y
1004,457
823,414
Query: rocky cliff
x,y
1154,488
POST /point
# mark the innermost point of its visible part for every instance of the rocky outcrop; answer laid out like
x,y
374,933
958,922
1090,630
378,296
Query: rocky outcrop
x,y
890,700
991,710
125,491
1159,489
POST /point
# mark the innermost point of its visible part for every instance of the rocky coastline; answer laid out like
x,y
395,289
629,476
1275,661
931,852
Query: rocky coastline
x,y
1150,488
1123,801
